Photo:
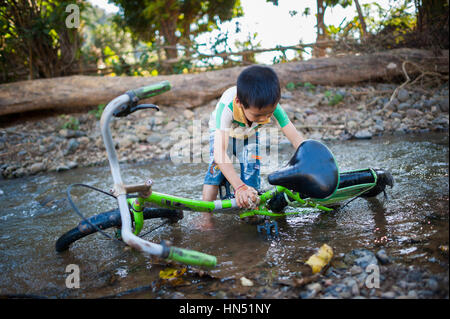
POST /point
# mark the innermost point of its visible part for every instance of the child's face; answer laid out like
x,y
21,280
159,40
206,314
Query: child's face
x,y
254,114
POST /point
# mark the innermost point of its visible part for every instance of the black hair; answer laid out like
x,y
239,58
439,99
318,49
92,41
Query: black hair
x,y
258,86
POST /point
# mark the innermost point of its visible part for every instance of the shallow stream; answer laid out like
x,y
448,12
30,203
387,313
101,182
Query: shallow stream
x,y
412,225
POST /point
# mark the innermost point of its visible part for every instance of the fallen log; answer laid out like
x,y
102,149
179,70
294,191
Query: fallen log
x,y
192,90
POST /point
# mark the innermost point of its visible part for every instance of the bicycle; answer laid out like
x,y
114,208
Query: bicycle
x,y
311,179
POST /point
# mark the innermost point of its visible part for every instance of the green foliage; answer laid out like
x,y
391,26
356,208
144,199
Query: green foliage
x,y
35,41
309,86
290,86
332,98
172,21
71,123
98,111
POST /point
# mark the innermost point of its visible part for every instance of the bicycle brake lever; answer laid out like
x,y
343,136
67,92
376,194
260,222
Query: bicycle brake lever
x,y
132,106
144,106
127,109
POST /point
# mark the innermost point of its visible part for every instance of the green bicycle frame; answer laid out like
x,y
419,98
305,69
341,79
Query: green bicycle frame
x,y
220,206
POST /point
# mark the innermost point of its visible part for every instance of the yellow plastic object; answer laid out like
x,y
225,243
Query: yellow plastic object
x,y
320,259
170,273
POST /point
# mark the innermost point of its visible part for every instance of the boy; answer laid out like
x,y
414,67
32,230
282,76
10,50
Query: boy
x,y
240,112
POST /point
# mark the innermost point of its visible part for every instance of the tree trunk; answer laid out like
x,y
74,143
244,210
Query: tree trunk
x,y
361,20
192,90
319,49
432,22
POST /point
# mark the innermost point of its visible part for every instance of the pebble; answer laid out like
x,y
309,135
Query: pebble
x,y
71,133
433,284
316,287
382,257
403,95
246,282
361,258
36,168
388,295
363,135
72,146
443,104
403,106
355,270
413,113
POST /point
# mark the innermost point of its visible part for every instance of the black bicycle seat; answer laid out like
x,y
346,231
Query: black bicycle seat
x,y
312,171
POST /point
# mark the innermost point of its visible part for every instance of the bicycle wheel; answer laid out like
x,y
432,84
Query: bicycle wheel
x,y
107,220
352,178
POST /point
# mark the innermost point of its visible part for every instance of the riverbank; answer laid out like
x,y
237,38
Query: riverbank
x,y
63,142
358,274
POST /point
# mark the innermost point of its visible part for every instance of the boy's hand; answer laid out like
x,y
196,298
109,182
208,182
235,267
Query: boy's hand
x,y
246,197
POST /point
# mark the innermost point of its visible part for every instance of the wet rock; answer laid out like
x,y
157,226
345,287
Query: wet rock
x,y
338,291
361,258
36,168
72,164
388,295
20,172
414,276
178,295
382,257
363,135
61,168
221,295
443,104
432,284
355,270
314,289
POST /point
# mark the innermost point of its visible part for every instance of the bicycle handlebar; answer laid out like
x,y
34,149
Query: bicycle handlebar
x,y
148,91
191,257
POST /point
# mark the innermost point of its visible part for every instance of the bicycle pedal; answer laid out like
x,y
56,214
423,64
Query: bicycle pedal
x,y
267,228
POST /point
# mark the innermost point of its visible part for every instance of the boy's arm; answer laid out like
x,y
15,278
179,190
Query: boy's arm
x,y
221,158
242,193
292,135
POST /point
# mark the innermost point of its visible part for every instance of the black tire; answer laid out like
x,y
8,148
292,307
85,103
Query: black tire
x,y
107,220
384,178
